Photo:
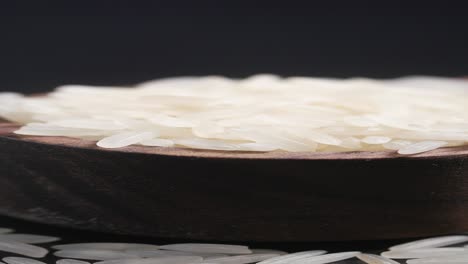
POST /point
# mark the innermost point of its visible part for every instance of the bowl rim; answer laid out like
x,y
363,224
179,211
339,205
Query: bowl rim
x,y
7,128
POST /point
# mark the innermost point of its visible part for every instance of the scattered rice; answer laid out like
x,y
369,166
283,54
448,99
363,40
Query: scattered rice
x,y
293,256
28,238
208,248
71,261
106,246
433,242
23,249
430,250
20,260
208,256
261,113
423,252
327,258
243,259
144,253
93,254
375,259
452,259
267,251
159,260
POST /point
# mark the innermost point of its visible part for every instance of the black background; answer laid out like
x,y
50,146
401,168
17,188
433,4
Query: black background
x,y
44,44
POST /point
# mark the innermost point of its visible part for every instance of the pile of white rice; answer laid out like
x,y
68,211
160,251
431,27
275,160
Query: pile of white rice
x,y
260,113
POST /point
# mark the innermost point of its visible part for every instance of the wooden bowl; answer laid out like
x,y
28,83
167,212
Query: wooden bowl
x,y
227,196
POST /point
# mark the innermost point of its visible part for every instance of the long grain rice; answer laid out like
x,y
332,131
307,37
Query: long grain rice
x,y
93,254
293,256
208,248
23,249
71,261
145,253
423,253
451,259
432,242
157,260
261,113
106,246
242,259
327,258
20,260
375,259
28,238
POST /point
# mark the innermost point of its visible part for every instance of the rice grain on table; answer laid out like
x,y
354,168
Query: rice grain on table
x,y
106,246
267,251
451,259
375,259
156,260
241,259
93,254
261,113
23,249
20,260
423,252
284,259
28,238
433,242
208,248
145,253
327,258
71,261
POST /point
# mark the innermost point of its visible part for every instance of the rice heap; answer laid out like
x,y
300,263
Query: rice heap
x,y
260,113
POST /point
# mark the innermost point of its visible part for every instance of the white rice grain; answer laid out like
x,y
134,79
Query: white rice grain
x,y
28,238
267,251
208,248
327,258
157,142
421,147
454,259
158,260
375,259
71,261
23,249
433,242
423,252
376,140
93,254
20,260
284,259
125,139
145,253
397,144
106,246
242,259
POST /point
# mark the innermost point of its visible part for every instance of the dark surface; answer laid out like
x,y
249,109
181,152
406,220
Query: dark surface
x,y
120,42
182,194
78,236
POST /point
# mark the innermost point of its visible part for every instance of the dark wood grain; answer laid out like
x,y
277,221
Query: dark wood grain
x,y
213,195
